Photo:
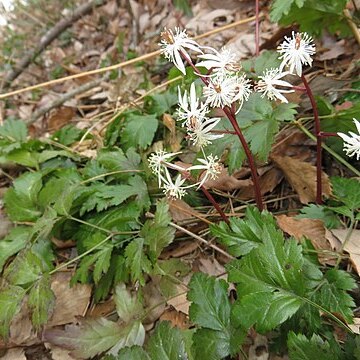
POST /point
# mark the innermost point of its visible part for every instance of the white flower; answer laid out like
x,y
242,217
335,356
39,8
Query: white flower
x,y
296,52
269,80
199,131
174,190
220,62
352,142
190,107
243,90
158,162
211,166
175,45
220,92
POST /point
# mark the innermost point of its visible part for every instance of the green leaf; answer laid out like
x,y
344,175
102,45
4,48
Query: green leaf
x,y
96,336
266,60
279,8
332,293
166,343
128,306
139,130
161,103
45,223
41,302
21,200
132,353
313,211
102,262
241,236
347,191
13,130
210,305
184,6
156,232
136,260
10,303
14,242
269,274
302,348
67,135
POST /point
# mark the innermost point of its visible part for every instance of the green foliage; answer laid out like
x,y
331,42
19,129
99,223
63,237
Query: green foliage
x,y
312,16
68,134
313,211
257,116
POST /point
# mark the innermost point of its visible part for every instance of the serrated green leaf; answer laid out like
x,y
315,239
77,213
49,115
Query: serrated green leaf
x,y
132,353
21,200
45,223
128,305
136,260
210,305
96,336
302,348
161,103
102,263
11,298
347,191
25,269
13,130
23,157
313,211
139,130
241,236
166,343
332,293
279,8
67,135
15,241
41,302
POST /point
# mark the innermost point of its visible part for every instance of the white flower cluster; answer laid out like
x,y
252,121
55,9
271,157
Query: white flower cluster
x,y
160,165
225,87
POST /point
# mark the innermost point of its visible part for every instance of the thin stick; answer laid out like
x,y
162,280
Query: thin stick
x,y
119,65
197,237
318,140
257,28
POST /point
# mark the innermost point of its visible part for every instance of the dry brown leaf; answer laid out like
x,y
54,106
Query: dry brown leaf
x,y
60,117
58,353
310,228
14,354
355,327
180,210
352,246
176,318
180,302
154,302
302,177
212,267
180,249
172,138
70,301
259,349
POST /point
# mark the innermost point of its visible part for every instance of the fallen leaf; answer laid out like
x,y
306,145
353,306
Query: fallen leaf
x,y
70,301
180,302
312,229
355,327
352,246
176,318
259,349
212,267
154,302
180,210
58,353
302,177
60,117
172,138
14,354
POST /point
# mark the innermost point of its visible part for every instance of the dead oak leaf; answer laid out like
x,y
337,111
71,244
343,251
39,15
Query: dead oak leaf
x,y
302,177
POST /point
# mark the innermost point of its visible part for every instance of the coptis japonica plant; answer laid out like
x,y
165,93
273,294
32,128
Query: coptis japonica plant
x,y
225,87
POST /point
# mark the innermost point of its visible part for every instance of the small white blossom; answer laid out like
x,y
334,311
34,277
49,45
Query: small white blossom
x,y
221,91
296,52
268,82
352,141
199,131
174,190
210,165
242,89
158,162
220,62
190,108
174,45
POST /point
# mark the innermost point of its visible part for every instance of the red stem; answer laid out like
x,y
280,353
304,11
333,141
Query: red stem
x,y
327,134
215,204
318,140
249,156
257,31
241,137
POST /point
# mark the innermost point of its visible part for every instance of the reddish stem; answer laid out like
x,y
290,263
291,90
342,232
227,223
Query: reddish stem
x,y
299,88
230,115
257,30
215,204
327,134
249,156
318,140
223,132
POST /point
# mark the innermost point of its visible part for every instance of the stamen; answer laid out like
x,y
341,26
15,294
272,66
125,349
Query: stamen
x,y
167,36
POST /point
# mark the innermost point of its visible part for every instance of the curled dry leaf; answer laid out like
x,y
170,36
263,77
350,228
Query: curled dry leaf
x,y
352,245
302,177
312,229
